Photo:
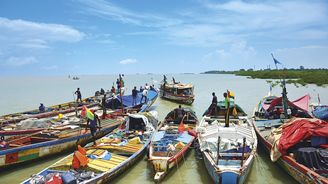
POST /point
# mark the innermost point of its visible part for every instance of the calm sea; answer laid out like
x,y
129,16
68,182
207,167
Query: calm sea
x,y
24,93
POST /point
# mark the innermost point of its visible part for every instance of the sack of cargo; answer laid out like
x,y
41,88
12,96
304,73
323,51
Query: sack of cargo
x,y
135,140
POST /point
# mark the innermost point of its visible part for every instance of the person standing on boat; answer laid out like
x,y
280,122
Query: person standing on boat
x,y
214,104
144,95
92,124
113,90
227,106
118,84
78,94
134,95
179,114
42,108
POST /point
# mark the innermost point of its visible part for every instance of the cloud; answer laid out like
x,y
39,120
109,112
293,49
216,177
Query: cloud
x,y
239,52
111,11
128,61
20,61
213,24
34,35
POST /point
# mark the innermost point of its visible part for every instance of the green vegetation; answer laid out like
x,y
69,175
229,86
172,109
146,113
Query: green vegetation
x,y
219,72
302,77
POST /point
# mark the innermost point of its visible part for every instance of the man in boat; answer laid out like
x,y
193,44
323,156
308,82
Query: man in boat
x,y
42,108
113,90
144,95
214,104
179,113
92,124
147,87
134,95
78,94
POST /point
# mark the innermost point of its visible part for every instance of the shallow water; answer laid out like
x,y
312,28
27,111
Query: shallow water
x,y
20,94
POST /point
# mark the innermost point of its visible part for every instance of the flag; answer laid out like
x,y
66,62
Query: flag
x,y
231,94
87,113
275,60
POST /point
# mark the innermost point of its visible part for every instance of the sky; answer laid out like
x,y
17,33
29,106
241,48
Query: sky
x,y
62,37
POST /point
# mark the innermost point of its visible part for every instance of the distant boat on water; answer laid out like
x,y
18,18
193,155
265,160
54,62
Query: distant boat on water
x,y
75,78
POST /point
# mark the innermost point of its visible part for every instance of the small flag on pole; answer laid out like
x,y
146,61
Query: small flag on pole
x,y
275,60
87,113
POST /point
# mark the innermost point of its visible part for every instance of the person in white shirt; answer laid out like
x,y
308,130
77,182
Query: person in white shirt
x,y
144,95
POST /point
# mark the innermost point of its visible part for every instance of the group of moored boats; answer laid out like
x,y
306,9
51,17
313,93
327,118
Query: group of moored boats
x,y
226,138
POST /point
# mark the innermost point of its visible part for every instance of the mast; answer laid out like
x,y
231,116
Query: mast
x,y
284,98
121,93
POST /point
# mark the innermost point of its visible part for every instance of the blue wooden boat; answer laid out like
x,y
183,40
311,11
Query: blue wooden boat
x,y
19,149
168,145
112,154
228,152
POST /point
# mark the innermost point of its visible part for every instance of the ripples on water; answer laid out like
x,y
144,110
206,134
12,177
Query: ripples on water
x,y
19,94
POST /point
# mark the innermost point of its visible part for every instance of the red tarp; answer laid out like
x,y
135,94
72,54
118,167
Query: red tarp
x,y
301,103
299,129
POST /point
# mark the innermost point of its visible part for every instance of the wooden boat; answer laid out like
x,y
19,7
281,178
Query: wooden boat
x,y
112,154
50,111
11,129
268,120
228,152
169,145
178,92
19,149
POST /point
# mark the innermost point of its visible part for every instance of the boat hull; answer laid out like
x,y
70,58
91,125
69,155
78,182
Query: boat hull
x,y
35,151
162,166
226,176
299,172
185,99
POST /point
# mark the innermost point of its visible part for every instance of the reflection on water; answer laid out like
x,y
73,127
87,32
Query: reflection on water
x,y
56,90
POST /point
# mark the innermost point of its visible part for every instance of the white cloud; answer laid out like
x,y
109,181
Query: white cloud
x,y
239,52
20,61
27,34
110,11
215,24
128,61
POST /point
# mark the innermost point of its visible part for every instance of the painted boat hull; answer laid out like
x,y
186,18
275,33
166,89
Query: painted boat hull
x,y
163,166
185,99
226,176
35,151
298,171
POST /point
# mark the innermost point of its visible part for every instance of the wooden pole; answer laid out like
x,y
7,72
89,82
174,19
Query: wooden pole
x,y
242,155
218,151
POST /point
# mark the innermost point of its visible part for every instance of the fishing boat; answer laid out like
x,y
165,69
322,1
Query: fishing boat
x,y
18,149
292,137
112,154
172,140
178,92
50,111
228,143
116,102
39,124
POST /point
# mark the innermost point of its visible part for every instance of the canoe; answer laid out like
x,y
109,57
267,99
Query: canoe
x,y
11,129
50,111
291,160
228,152
181,93
112,154
19,149
168,145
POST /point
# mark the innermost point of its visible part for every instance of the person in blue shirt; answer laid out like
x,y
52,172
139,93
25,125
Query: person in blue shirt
x,y
42,108
92,124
